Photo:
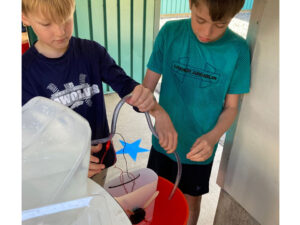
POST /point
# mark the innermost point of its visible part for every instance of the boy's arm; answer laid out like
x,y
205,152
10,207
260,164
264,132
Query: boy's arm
x,y
151,79
142,98
204,145
120,82
163,124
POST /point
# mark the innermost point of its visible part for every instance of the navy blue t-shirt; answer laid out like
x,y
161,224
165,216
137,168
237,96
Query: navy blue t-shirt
x,y
75,80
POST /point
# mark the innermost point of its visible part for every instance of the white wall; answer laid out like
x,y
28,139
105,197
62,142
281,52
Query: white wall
x,y
251,174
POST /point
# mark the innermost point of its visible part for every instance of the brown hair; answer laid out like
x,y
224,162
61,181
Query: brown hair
x,y
221,9
54,10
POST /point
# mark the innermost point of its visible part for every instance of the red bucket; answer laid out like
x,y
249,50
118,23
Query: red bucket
x,y
169,212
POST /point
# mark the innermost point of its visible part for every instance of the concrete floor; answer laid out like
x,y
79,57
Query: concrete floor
x,y
133,126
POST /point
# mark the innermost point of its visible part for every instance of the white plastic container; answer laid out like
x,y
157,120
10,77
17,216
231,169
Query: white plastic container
x,y
56,189
55,153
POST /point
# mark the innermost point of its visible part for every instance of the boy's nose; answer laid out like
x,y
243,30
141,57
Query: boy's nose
x,y
207,30
60,29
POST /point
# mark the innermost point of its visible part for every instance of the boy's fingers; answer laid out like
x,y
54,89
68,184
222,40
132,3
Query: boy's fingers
x,y
195,150
200,157
91,173
175,141
160,137
94,159
170,142
96,166
137,91
142,98
96,148
162,140
147,104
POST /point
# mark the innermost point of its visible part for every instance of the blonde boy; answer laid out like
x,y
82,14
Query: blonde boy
x,y
71,70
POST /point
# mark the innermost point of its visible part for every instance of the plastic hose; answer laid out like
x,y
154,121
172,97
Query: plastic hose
x,y
113,131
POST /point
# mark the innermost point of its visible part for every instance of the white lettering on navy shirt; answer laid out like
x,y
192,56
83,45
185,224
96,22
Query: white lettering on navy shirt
x,y
74,96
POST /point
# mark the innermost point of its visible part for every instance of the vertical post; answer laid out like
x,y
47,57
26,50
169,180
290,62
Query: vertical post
x,y
90,20
119,33
156,18
131,38
105,24
144,38
75,24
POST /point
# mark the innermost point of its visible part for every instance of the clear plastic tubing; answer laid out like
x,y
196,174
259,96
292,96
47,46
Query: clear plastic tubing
x,y
113,131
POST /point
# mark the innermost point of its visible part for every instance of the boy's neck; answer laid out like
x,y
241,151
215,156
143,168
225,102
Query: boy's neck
x,y
49,52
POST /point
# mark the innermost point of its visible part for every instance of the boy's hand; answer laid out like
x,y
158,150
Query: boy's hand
x,y
164,127
94,166
203,147
142,98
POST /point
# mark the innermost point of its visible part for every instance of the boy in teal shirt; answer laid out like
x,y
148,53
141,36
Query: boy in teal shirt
x,y
205,67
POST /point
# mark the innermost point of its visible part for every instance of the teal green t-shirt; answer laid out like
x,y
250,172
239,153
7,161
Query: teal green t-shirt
x,y
195,80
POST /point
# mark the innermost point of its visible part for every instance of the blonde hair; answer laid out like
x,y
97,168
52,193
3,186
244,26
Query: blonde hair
x,y
54,10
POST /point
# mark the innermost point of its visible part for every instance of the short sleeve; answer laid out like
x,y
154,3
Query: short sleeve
x,y
157,56
240,81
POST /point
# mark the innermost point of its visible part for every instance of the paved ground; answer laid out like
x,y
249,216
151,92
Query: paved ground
x,y
133,126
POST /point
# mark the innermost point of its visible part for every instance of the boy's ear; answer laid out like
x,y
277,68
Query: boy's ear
x,y
190,3
25,20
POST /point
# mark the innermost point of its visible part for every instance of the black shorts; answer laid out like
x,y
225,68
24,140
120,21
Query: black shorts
x,y
194,179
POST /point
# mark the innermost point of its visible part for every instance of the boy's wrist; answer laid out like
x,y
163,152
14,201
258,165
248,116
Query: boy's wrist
x,y
215,135
156,110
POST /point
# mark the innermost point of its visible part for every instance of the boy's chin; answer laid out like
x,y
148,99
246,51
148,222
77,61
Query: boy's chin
x,y
60,46
63,43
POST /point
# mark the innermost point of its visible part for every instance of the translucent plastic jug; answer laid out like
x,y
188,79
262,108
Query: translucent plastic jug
x,y
55,153
56,190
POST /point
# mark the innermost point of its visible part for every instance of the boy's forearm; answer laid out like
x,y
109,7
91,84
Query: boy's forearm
x,y
225,120
151,79
156,110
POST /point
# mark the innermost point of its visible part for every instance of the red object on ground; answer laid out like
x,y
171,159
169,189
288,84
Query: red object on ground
x,y
169,212
25,47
